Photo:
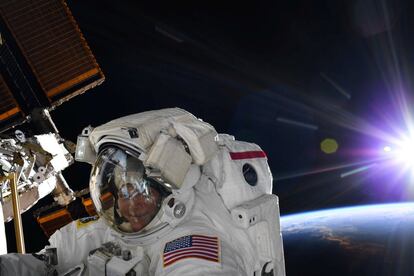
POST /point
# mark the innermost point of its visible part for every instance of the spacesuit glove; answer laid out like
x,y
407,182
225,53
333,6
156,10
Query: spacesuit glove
x,y
22,265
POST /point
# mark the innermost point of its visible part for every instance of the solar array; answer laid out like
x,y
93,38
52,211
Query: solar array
x,y
44,58
8,107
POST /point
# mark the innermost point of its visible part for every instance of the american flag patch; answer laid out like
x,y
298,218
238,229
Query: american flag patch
x,y
193,246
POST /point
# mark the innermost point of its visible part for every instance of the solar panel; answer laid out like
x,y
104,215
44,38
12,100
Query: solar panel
x,y
53,49
8,108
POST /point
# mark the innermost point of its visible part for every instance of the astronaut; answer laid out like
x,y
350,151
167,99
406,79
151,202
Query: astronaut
x,y
173,198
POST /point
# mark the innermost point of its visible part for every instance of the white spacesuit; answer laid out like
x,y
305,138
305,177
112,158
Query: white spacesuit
x,y
174,198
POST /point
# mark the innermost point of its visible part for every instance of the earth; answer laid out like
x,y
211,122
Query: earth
x,y
362,240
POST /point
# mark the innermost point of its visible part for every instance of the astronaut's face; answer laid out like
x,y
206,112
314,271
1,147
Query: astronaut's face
x,y
138,208
122,192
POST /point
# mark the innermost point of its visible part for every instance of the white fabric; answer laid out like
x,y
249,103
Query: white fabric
x,y
199,137
228,173
207,217
237,253
153,133
169,157
76,240
21,264
197,134
220,187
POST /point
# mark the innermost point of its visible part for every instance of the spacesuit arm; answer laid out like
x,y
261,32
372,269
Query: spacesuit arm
x,y
22,264
74,242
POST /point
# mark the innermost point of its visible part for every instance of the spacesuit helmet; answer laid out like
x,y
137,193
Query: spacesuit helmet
x,y
141,159
123,194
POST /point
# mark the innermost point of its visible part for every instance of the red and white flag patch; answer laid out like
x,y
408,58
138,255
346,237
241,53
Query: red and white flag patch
x,y
247,155
192,246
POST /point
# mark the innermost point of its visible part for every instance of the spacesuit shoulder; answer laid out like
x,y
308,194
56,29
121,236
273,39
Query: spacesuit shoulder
x,y
75,240
240,171
78,228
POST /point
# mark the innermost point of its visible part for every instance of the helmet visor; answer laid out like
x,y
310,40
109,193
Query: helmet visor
x,y
121,191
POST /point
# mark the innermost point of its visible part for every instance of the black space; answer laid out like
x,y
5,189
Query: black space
x,y
244,66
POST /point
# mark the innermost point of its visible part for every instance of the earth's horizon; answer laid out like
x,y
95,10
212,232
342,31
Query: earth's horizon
x,y
360,240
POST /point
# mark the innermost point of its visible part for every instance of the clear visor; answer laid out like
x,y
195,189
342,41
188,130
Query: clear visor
x,y
121,191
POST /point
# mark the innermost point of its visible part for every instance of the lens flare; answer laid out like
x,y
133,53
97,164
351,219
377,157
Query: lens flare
x,y
405,153
329,146
401,153
387,149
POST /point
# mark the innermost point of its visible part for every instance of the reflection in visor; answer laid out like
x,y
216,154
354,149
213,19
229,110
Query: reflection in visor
x,y
107,200
126,197
130,190
139,209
